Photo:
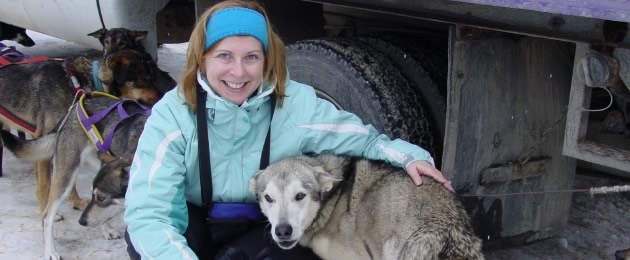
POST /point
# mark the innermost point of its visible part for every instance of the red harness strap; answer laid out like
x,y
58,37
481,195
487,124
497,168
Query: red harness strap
x,y
29,127
5,62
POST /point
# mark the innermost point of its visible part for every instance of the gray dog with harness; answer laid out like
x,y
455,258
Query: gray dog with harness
x,y
75,144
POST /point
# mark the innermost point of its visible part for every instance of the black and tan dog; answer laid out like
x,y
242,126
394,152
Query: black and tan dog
x,y
35,96
17,34
116,39
71,149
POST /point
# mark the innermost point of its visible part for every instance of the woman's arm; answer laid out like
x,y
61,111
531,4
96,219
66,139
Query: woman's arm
x,y
156,212
328,129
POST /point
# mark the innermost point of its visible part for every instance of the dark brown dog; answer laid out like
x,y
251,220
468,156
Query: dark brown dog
x,y
116,39
40,95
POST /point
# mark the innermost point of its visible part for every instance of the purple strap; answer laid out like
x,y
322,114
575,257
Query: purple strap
x,y
89,121
10,53
249,211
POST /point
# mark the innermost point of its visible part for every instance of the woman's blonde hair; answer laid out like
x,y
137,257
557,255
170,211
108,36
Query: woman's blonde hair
x,y
275,60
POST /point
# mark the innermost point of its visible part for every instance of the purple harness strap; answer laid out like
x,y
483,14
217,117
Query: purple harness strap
x,y
11,54
89,122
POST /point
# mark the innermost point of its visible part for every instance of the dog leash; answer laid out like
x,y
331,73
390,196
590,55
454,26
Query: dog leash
x,y
100,15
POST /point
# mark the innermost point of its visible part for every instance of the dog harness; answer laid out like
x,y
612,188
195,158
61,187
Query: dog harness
x,y
224,211
88,123
11,56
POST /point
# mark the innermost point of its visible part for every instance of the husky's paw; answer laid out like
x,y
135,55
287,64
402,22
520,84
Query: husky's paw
x,y
110,233
52,256
58,217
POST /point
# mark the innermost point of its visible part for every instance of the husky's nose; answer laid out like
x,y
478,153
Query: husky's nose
x,y
284,231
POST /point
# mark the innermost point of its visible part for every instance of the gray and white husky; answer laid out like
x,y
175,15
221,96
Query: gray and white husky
x,y
350,208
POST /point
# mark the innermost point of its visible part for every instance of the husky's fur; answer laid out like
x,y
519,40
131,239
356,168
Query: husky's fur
x,y
71,149
40,93
17,34
349,208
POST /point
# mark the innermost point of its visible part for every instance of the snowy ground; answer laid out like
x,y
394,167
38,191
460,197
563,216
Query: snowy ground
x,y
598,226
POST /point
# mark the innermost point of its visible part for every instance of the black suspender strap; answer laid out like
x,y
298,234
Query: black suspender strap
x,y
264,157
205,170
205,174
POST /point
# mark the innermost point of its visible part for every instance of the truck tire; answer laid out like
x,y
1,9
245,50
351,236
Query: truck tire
x,y
424,68
362,80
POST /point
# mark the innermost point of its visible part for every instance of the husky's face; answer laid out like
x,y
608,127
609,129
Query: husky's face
x,y
289,193
108,193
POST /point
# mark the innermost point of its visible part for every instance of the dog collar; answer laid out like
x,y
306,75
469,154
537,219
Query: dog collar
x,y
98,84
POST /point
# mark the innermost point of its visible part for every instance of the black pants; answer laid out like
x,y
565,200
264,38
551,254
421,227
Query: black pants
x,y
231,240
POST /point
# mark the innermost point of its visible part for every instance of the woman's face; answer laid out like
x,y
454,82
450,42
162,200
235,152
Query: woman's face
x,y
234,67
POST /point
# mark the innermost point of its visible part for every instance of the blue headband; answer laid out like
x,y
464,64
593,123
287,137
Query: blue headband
x,y
236,21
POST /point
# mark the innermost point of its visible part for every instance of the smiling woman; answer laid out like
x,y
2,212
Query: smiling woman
x,y
234,68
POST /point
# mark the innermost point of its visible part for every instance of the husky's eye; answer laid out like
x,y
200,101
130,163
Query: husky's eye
x,y
300,196
101,198
268,199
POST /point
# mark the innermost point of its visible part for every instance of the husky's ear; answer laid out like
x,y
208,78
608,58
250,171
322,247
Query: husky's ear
x,y
138,35
105,157
325,179
99,34
252,183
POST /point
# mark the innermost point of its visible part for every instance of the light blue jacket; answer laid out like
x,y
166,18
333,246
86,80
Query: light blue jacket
x,y
165,171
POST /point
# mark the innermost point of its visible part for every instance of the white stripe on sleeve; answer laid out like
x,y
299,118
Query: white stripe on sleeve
x,y
159,153
399,157
338,128
179,247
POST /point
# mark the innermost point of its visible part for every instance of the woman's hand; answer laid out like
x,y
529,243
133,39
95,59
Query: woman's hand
x,y
416,169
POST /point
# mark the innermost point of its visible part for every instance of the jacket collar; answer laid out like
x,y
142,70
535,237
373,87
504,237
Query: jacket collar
x,y
213,98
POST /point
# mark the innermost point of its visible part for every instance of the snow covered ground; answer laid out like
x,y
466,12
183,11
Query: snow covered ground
x,y
598,226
